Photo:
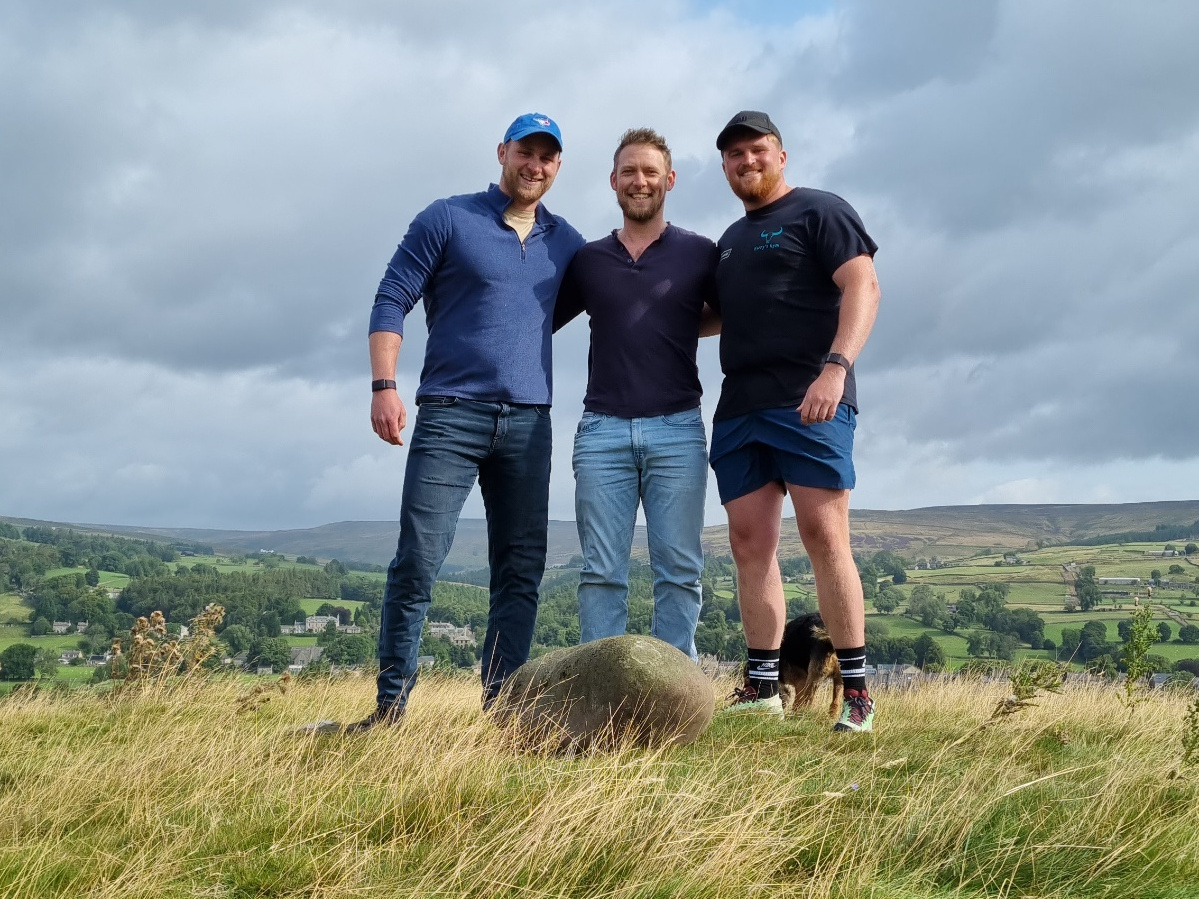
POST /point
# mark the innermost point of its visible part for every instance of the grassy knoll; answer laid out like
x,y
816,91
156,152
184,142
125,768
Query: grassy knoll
x,y
173,794
310,605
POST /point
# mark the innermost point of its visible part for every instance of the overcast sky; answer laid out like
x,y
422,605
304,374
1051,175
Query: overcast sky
x,y
196,207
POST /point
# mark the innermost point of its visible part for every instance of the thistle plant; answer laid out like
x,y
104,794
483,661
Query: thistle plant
x,y
155,656
1028,679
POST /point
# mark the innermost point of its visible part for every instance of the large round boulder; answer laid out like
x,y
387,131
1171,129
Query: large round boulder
x,y
627,688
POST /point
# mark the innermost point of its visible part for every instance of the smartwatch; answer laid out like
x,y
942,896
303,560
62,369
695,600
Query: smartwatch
x,y
838,359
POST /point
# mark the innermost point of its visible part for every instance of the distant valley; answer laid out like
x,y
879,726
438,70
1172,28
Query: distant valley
x,y
944,531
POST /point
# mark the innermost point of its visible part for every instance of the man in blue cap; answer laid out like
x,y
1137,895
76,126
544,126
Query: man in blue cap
x,y
488,266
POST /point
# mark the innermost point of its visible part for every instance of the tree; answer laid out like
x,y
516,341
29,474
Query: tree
x,y
45,663
1190,549
930,608
272,651
1071,639
1092,640
1189,633
889,599
237,637
1086,589
1164,632
17,662
1124,629
40,628
1176,569
929,654
350,649
1191,665
1155,575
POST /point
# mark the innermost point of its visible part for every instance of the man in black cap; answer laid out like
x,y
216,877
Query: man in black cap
x,y
797,294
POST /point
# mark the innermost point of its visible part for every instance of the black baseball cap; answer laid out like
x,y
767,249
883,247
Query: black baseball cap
x,y
748,120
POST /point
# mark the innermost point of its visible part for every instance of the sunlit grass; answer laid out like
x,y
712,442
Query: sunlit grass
x,y
171,793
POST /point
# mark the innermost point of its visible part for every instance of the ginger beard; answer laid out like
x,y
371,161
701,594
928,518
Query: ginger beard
x,y
754,181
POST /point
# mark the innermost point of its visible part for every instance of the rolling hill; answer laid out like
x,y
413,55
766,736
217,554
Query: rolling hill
x,y
944,531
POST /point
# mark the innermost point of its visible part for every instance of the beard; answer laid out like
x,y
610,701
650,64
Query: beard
x,y
518,189
641,211
759,190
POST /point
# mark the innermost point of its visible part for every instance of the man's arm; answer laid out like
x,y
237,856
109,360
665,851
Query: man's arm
x,y
388,415
408,274
859,306
569,304
709,322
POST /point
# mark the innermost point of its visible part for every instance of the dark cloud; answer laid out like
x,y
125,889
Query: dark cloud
x,y
199,201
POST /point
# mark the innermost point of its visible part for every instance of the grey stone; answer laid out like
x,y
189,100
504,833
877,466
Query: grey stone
x,y
627,688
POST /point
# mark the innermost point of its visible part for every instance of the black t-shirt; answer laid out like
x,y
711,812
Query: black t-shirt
x,y
644,321
777,300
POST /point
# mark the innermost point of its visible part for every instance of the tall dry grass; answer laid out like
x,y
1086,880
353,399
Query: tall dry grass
x,y
169,792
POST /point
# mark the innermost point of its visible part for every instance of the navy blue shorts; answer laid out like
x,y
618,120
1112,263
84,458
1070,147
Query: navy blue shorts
x,y
774,446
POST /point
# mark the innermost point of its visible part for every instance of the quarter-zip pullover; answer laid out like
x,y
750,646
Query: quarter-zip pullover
x,y
489,300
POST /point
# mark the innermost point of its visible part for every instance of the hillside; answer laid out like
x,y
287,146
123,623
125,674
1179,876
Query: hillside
x,y
944,531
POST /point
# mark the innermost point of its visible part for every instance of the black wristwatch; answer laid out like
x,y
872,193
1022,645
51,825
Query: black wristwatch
x,y
838,359
382,384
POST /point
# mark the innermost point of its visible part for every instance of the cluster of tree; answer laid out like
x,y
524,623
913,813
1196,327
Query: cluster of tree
x,y
260,600
883,649
24,661
1160,532
872,569
26,555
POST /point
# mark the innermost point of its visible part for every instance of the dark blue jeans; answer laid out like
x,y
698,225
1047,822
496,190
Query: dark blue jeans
x,y
507,448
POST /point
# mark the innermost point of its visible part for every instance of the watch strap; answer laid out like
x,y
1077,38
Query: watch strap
x,y
837,359
382,384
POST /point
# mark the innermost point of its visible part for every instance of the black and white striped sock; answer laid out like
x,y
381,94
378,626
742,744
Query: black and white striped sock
x,y
853,667
762,671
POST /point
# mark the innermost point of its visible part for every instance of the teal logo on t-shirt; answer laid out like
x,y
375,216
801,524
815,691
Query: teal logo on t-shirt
x,y
769,238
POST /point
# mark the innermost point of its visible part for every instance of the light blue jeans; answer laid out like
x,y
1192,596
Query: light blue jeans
x,y
660,463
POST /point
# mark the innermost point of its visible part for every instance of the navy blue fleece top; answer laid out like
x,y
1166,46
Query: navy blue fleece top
x,y
489,302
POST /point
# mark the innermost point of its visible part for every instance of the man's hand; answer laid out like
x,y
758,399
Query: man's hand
x,y
388,416
820,402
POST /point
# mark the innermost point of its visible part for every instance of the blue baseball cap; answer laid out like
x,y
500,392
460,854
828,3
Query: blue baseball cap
x,y
533,123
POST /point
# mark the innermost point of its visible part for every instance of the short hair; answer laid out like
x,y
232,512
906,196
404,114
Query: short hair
x,y
647,136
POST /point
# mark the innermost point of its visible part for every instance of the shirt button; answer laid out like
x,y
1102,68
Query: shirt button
x,y
629,261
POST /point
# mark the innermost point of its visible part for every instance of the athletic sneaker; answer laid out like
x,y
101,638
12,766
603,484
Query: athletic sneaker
x,y
382,716
857,711
745,699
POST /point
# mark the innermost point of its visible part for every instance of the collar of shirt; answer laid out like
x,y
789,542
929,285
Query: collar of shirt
x,y
499,201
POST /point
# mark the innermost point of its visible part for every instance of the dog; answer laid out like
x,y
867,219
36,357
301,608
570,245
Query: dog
x,y
805,659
